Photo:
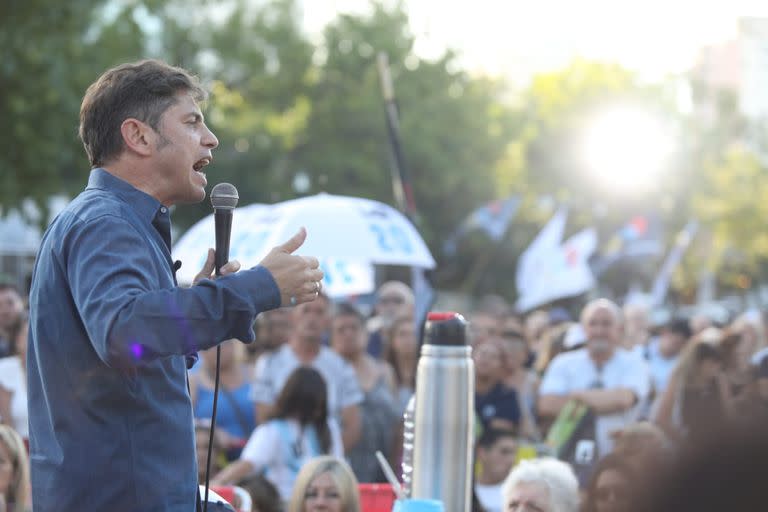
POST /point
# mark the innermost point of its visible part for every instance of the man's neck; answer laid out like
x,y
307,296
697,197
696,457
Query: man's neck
x,y
130,172
306,350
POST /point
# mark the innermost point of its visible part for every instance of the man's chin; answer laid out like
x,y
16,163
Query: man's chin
x,y
196,197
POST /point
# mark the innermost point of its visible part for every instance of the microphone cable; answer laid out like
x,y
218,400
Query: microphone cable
x,y
224,198
213,426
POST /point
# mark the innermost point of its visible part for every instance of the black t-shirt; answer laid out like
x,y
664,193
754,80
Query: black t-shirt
x,y
500,402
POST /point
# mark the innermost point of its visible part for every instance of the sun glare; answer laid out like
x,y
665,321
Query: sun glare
x,y
626,149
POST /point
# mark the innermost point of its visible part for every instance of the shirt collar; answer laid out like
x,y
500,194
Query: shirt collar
x,y
145,205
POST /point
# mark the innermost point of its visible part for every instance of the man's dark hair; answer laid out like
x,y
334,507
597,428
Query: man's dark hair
x,y
492,435
142,90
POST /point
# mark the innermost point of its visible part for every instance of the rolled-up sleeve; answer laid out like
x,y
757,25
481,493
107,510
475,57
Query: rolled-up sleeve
x,y
130,322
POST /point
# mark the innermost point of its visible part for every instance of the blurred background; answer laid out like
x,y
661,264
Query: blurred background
x,y
640,128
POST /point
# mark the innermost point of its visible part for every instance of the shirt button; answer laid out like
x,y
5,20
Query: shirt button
x,y
163,209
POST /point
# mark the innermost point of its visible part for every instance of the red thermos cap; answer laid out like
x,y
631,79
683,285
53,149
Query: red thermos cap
x,y
445,328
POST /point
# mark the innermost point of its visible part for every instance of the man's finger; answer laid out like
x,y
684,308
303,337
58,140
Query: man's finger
x,y
312,262
305,297
294,242
230,268
208,267
315,275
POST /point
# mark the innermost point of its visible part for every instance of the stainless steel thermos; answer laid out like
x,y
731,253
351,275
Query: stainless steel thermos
x,y
438,454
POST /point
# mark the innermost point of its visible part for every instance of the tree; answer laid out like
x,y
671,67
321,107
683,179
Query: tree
x,y
453,126
51,53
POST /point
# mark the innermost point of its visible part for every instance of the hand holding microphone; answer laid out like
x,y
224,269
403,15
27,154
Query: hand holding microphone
x,y
224,198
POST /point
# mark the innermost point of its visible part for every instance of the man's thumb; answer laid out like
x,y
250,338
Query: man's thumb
x,y
295,241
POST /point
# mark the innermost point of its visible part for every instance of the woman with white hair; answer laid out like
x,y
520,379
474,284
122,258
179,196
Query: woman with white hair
x,y
541,485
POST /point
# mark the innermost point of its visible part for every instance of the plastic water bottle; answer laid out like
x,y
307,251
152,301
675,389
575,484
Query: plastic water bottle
x,y
406,467
444,415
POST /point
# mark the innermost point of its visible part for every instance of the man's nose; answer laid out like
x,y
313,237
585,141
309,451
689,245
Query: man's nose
x,y
209,139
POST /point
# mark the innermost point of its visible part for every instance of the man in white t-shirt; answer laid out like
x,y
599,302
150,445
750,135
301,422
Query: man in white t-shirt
x,y
496,454
613,382
305,348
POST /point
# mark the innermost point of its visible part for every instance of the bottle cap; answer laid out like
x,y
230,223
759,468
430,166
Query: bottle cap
x,y
445,328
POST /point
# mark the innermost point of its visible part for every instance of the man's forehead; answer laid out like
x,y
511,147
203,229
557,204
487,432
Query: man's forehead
x,y
185,102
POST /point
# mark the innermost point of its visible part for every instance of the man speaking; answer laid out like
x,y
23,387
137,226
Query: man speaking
x,y
111,335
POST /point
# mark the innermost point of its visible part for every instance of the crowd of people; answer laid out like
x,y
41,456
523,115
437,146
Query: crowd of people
x,y
303,410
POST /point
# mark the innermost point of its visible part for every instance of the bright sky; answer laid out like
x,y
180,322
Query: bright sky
x,y
515,38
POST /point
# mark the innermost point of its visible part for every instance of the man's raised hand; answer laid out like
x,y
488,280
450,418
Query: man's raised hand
x,y
297,277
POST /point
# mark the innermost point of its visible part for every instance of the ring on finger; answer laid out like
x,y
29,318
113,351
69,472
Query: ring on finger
x,y
292,300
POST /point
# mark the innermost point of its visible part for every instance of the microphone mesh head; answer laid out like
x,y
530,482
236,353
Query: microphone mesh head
x,y
224,195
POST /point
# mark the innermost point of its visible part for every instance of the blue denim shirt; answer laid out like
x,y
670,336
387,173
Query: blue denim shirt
x,y
111,425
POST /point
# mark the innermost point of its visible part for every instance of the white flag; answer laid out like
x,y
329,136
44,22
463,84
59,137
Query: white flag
x,y
561,271
548,240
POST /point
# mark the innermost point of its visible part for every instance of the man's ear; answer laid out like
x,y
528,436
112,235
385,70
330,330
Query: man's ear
x,y
137,136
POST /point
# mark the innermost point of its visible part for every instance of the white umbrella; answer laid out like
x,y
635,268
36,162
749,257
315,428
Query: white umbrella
x,y
348,234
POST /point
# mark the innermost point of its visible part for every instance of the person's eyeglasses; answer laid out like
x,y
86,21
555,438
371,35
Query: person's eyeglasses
x,y
610,494
391,300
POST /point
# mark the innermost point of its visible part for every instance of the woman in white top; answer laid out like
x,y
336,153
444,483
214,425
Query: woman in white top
x,y
13,382
298,430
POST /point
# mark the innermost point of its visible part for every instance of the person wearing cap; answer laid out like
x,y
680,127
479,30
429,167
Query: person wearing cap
x,y
664,352
608,379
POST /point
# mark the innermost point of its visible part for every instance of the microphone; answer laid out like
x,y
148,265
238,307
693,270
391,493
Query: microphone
x,y
223,199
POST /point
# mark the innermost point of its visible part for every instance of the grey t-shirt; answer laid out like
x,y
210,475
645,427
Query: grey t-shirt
x,y
273,370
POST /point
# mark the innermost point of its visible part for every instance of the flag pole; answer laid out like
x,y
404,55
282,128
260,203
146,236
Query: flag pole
x,y
402,188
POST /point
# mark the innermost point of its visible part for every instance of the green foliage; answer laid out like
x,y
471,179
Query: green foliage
x,y
283,103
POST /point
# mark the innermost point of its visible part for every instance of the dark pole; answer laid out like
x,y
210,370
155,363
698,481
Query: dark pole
x,y
403,191
401,182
